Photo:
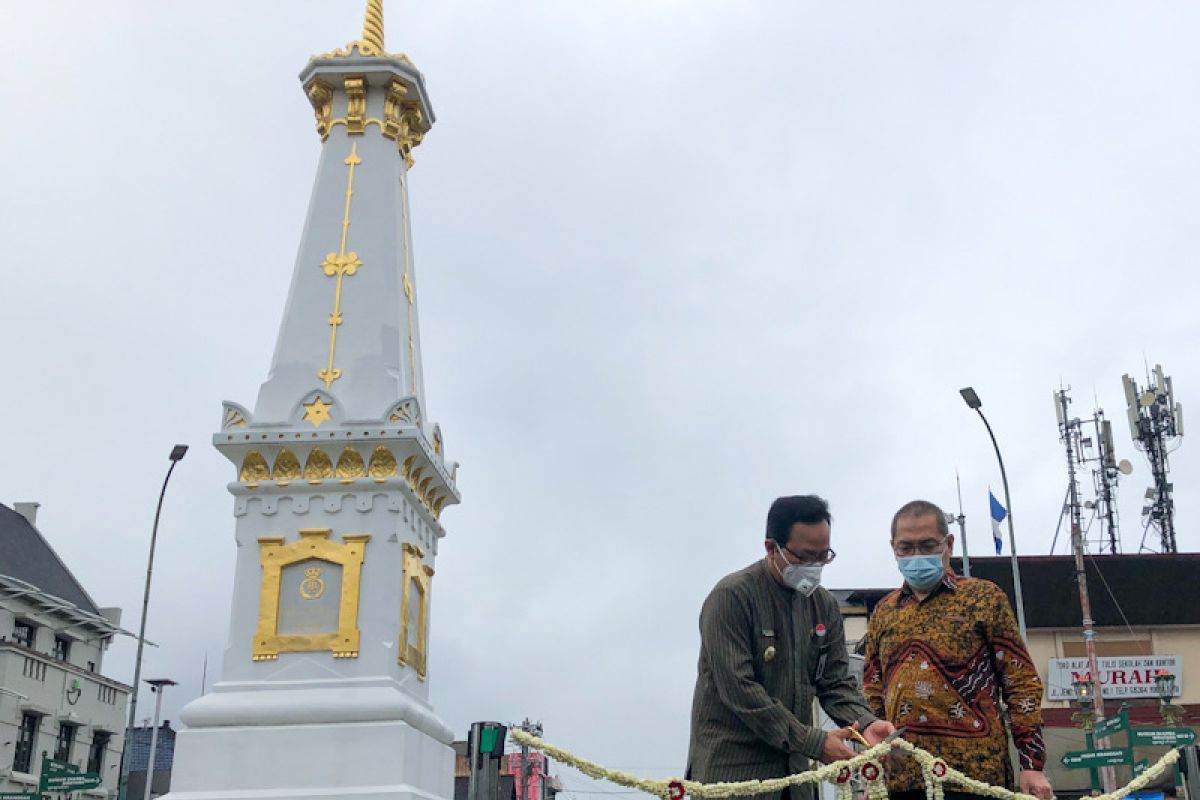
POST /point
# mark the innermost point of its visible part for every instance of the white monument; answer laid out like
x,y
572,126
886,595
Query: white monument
x,y
341,481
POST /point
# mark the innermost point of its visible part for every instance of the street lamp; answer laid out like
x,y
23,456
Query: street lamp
x,y
177,454
156,685
1085,717
973,402
1164,684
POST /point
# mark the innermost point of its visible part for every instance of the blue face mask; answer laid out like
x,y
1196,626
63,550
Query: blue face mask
x,y
922,572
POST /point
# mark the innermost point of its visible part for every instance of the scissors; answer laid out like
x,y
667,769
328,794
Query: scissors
x,y
891,737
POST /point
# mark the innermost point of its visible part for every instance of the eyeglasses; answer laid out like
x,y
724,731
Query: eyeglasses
x,y
811,556
926,547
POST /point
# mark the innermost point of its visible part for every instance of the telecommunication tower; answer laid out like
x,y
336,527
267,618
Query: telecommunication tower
x,y
1100,454
1156,424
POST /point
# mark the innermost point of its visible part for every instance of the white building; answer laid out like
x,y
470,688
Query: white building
x,y
53,697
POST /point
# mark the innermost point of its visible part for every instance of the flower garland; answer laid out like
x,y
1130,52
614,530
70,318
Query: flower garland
x,y
867,763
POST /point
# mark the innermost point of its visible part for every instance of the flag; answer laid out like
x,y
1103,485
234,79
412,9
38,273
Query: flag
x,y
998,515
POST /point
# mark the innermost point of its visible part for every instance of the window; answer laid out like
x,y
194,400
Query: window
x,y
95,762
66,738
26,742
62,648
106,694
23,632
91,666
35,669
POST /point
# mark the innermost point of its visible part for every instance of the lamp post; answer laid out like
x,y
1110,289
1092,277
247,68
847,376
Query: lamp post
x,y
157,685
177,454
972,400
1085,718
1164,684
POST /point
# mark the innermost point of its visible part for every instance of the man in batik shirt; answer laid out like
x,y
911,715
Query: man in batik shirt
x,y
943,653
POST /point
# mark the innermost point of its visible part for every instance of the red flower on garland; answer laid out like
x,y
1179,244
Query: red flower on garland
x,y
843,775
675,790
938,768
869,771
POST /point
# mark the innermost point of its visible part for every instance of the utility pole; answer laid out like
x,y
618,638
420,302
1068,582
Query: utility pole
x,y
533,729
1065,426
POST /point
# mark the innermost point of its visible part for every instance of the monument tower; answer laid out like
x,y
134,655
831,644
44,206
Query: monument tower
x,y
341,483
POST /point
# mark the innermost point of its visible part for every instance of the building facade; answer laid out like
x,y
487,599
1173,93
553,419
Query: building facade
x,y
54,698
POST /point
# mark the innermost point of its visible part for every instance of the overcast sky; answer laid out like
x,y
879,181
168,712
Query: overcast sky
x,y
675,259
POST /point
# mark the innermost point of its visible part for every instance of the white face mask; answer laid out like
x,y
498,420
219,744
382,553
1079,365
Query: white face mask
x,y
804,578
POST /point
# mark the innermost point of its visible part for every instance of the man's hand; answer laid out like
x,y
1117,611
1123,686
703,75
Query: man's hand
x,y
1035,783
877,731
835,748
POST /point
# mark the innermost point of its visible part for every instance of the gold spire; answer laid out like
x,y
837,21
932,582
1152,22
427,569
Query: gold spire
x,y
372,33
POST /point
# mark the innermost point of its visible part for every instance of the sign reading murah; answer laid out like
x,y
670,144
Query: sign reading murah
x,y
1120,676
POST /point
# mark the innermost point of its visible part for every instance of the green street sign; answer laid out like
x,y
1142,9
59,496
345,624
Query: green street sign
x,y
52,767
1141,767
1084,759
18,796
70,783
1162,737
1114,724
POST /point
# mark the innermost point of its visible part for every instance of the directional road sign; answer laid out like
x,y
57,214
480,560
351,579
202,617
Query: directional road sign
x,y
1082,759
18,796
1113,724
1162,737
73,782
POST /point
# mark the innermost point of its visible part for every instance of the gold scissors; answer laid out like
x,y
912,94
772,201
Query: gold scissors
x,y
858,737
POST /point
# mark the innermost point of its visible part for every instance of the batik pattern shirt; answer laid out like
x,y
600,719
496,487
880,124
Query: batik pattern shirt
x,y
942,667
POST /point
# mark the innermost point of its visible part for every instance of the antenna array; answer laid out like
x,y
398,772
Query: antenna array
x,y
1098,452
1156,425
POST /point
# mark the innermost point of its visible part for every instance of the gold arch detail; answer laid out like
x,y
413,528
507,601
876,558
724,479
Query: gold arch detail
x,y
383,464
287,466
350,465
254,469
317,467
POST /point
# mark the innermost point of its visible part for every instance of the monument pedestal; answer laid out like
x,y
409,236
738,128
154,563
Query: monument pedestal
x,y
314,739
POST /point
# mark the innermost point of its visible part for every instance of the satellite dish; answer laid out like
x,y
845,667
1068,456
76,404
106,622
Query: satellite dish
x,y
1147,399
1125,466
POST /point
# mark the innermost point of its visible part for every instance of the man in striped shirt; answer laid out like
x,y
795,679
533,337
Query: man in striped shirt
x,y
772,642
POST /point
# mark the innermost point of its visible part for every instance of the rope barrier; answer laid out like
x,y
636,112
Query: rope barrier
x,y
868,764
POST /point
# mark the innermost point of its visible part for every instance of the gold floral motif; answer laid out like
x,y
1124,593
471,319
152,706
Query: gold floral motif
x,y
233,419
437,442
350,465
317,467
320,94
287,467
340,265
356,106
313,543
383,464
254,469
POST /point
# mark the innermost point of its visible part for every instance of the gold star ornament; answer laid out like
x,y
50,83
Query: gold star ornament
x,y
317,411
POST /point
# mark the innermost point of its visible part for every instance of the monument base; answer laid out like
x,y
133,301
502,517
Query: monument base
x,y
308,754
